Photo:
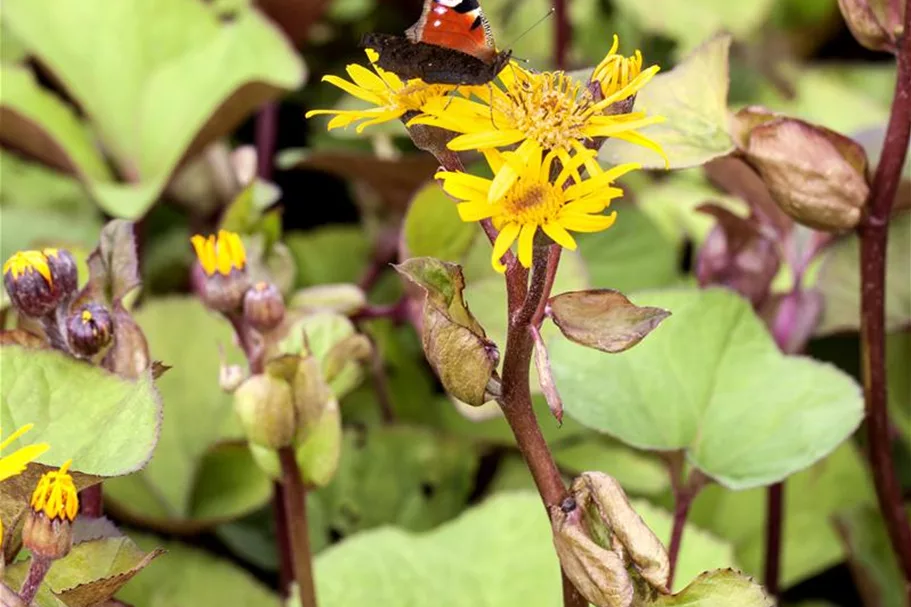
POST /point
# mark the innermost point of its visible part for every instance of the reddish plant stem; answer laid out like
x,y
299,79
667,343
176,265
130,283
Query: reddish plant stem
x,y
685,491
295,500
773,535
91,500
266,135
682,504
516,395
562,33
37,569
280,518
873,231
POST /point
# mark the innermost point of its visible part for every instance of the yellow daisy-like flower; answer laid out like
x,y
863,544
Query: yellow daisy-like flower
x,y
546,111
616,72
393,97
534,200
28,261
220,254
14,463
55,495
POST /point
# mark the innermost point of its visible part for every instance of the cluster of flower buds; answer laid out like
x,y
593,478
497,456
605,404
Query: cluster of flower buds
x,y
38,282
224,284
42,285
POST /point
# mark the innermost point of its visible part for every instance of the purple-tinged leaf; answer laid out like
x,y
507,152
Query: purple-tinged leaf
x,y
603,319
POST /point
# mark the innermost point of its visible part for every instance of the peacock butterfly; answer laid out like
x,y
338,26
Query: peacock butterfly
x,y
450,44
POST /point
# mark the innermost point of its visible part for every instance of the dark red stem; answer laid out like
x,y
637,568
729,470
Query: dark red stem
x,y
295,500
516,395
266,135
682,504
91,500
37,569
562,33
773,535
280,517
873,232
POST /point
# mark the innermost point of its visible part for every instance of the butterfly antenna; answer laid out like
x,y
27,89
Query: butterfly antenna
x,y
546,16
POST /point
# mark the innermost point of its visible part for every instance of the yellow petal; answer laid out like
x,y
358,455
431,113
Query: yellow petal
x,y
476,210
559,235
381,118
486,139
504,240
588,223
355,91
366,79
463,186
526,244
14,463
639,139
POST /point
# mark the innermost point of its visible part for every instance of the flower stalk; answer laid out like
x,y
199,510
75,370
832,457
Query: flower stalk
x,y
295,507
37,570
685,491
873,232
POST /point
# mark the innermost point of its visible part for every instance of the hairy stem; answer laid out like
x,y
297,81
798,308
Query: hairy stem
x,y
295,499
873,232
37,570
516,395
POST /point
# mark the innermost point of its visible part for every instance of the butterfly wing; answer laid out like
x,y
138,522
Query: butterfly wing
x,y
455,24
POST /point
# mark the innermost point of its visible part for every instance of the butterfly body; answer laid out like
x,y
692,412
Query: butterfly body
x,y
451,43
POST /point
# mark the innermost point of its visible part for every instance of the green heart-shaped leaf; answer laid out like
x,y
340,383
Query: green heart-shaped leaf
x,y
156,79
107,425
711,381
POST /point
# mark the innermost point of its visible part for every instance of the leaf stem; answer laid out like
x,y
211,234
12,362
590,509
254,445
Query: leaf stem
x,y
873,232
773,534
295,502
515,401
36,571
684,494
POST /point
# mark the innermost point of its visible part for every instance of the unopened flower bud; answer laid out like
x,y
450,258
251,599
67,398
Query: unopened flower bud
x,y
874,23
816,176
265,406
89,329
38,281
63,268
264,306
223,261
48,530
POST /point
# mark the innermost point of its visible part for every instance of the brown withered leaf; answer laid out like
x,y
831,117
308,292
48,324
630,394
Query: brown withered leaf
x,y
546,378
603,319
817,176
129,356
598,573
96,591
20,337
602,495
454,342
159,369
